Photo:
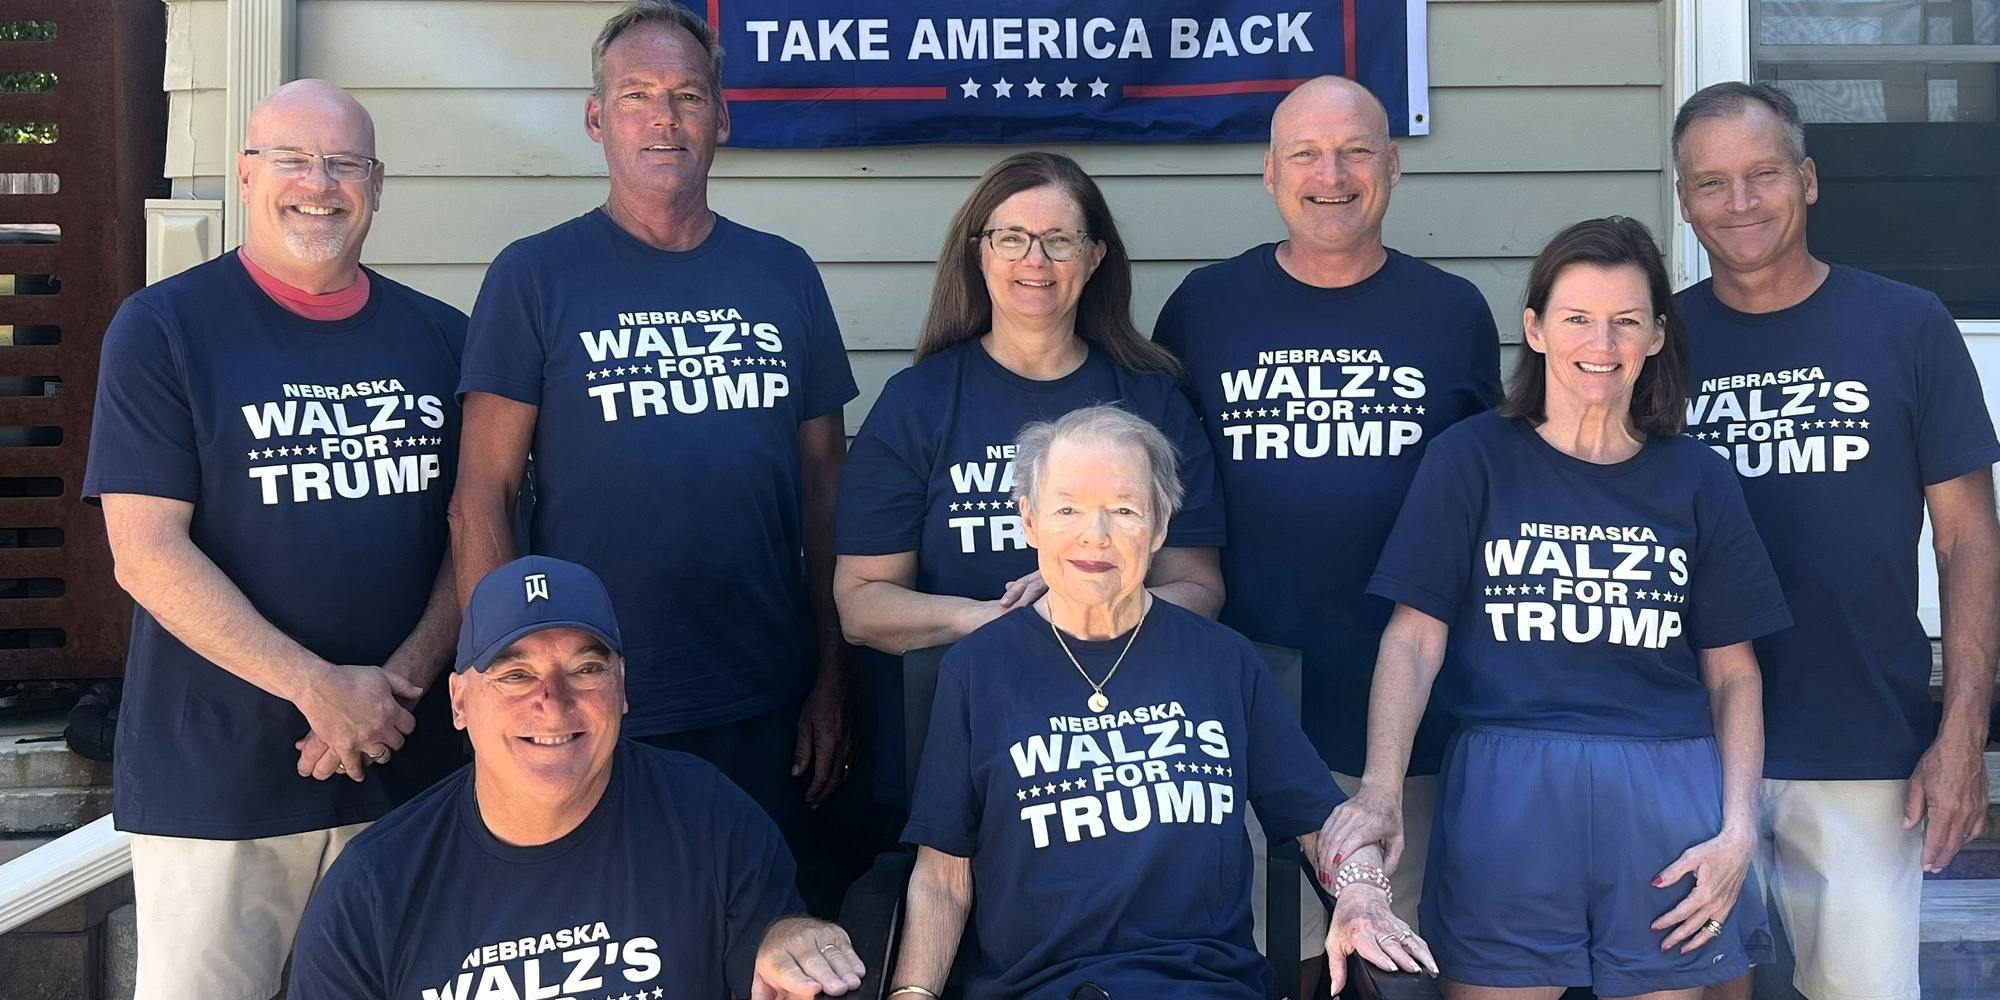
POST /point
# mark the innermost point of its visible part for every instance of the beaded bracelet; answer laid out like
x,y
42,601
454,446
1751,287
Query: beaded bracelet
x,y
1357,873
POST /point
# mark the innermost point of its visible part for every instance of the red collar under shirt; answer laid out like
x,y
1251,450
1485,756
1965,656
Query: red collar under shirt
x,y
330,307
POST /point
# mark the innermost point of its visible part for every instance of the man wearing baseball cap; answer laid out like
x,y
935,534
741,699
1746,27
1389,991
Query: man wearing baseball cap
x,y
564,860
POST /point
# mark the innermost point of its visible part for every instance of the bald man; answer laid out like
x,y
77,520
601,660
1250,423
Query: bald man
x,y
273,446
1321,366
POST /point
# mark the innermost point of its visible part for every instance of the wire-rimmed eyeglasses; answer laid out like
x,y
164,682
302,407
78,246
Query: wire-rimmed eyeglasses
x,y
298,162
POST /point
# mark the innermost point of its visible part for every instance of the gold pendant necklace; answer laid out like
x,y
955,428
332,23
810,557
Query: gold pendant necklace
x,y
1097,702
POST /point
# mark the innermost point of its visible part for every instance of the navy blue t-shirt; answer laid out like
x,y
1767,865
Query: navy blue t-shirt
x,y
1579,595
319,457
1837,413
671,387
932,470
1098,840
664,890
1319,403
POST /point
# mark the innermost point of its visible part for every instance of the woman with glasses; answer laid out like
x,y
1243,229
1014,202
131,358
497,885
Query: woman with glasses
x,y
1030,318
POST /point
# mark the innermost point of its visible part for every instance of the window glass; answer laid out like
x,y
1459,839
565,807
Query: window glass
x,y
1899,101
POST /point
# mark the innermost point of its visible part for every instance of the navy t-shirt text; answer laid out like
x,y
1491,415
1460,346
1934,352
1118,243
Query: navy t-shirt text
x,y
664,890
1836,414
1086,829
1578,595
671,387
1319,403
319,458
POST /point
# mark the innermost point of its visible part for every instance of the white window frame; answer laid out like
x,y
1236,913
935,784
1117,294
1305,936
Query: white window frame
x,y
1714,37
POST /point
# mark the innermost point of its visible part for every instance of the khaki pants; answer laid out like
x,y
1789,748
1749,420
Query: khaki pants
x,y
216,918
1847,880
1419,808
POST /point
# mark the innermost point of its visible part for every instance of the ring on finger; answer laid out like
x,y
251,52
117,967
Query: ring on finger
x,y
379,757
825,948
1713,927
340,768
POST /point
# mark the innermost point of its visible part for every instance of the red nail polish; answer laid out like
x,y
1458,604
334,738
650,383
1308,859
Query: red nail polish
x,y
1337,857
1657,882
1323,877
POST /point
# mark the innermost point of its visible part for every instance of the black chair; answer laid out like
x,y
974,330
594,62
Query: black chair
x,y
872,910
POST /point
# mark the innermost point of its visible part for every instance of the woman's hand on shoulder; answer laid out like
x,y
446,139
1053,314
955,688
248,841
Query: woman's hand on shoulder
x,y
1363,924
1027,590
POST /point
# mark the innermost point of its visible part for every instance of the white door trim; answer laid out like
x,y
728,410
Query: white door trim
x,y
1714,40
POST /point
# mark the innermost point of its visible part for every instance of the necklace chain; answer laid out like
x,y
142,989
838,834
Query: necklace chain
x,y
1098,702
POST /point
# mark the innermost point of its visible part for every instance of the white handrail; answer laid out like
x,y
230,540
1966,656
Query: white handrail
x,y
62,870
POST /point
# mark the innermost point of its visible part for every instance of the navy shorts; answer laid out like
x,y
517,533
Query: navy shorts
x,y
1543,854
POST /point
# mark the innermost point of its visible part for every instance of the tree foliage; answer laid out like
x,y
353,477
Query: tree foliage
x,y
27,81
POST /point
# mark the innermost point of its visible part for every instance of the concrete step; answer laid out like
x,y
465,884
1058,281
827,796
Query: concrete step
x,y
48,764
121,953
51,810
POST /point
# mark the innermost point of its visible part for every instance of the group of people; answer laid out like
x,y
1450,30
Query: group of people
x,y
1581,697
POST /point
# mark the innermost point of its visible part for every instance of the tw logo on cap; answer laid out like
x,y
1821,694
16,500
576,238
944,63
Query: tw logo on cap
x,y
537,585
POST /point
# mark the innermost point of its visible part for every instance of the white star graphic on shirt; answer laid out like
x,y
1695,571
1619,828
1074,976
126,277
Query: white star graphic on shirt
x,y
1021,796
1180,766
735,361
1539,589
1003,88
590,376
312,449
1035,87
968,88
1850,423
1049,789
269,453
1098,87
253,454
658,992
1066,88
1420,411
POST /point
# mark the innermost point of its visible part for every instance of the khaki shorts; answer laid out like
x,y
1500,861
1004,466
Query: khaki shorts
x,y
1847,880
1419,807
216,918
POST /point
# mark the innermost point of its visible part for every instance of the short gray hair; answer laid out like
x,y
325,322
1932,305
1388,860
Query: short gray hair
x,y
665,12
1724,100
1101,425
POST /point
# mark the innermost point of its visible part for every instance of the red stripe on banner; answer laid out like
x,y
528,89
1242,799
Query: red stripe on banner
x,y
715,16
1210,89
1347,32
834,93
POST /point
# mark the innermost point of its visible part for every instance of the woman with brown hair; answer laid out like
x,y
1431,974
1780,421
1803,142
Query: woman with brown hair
x,y
1583,582
1030,318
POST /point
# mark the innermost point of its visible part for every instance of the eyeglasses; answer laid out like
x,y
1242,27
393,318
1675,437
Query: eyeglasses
x,y
1014,244
298,163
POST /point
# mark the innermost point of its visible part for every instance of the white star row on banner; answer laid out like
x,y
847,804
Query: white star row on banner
x,y
1033,88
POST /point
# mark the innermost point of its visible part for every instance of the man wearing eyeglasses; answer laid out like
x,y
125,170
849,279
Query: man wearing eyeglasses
x,y
273,444
679,380
1322,366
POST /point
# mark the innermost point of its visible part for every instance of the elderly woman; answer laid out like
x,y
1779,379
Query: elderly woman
x,y
1593,580
1090,758
1030,318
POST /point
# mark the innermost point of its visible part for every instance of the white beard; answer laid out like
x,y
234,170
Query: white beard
x,y
315,248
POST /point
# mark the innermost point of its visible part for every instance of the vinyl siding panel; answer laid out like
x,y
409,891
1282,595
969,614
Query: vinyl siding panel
x,y
1546,111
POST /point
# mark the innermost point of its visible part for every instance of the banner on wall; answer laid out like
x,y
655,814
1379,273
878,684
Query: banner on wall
x,y
819,73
